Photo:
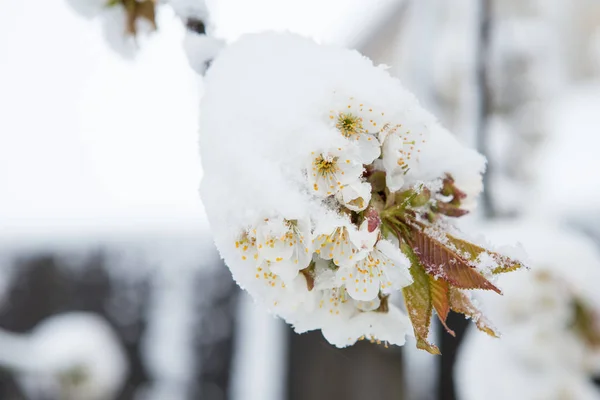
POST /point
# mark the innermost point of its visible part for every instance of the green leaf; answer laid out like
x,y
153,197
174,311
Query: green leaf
x,y
585,323
450,189
418,301
377,181
441,300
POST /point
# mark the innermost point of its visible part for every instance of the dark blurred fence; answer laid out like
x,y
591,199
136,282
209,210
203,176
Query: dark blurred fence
x,y
43,286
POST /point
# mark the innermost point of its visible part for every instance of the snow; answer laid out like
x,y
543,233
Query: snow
x,y
88,8
113,20
62,345
201,50
539,355
286,128
196,9
270,134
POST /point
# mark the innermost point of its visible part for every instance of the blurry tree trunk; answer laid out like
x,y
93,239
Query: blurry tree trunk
x,y
319,371
449,345
484,101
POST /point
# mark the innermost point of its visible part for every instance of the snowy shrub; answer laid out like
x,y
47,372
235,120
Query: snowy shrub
x,y
328,189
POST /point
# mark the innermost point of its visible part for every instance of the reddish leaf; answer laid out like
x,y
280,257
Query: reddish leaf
x,y
440,300
449,210
461,303
373,219
505,264
449,189
443,263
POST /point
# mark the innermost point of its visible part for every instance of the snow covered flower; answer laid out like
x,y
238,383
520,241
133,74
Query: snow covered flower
x,y
285,244
363,182
400,150
344,320
351,127
338,246
331,171
263,279
384,268
246,243
355,196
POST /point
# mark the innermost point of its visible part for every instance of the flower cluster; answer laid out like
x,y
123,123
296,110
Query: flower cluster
x,y
333,206
345,265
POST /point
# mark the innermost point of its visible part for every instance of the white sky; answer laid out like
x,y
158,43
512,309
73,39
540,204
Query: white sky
x,y
85,135
87,138
327,21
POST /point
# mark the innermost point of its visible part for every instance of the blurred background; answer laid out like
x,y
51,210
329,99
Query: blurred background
x,y
110,287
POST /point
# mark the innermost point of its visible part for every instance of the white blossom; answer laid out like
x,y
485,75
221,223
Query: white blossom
x,y
331,171
350,124
296,130
384,268
339,241
355,196
285,245
400,152
263,281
